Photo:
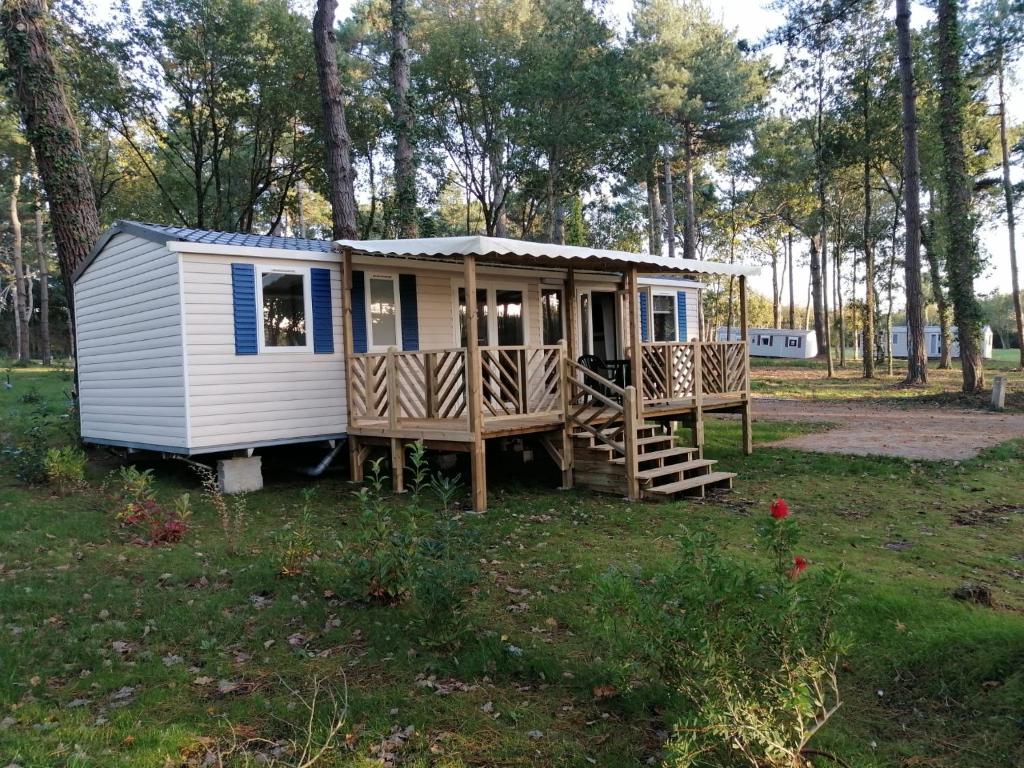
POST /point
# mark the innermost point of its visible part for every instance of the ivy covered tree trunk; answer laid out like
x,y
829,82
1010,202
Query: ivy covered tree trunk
x,y
22,314
44,280
690,223
917,360
401,110
337,145
52,133
938,294
962,260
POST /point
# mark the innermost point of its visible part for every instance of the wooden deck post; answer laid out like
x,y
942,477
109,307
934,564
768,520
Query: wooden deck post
x,y
355,450
635,352
569,297
629,424
698,398
568,458
748,416
474,374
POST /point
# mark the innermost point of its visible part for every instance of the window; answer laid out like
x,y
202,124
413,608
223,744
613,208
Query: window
x,y
284,308
764,341
551,315
664,311
509,314
383,309
481,316
793,342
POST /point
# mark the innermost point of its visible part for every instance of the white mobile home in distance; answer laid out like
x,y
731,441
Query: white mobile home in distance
x,y
933,341
194,342
776,342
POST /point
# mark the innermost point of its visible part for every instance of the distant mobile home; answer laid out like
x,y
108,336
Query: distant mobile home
x,y
933,341
196,342
775,342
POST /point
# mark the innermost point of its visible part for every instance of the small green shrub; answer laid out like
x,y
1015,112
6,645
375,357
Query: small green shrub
x,y
31,397
65,468
133,490
295,546
753,651
29,453
380,560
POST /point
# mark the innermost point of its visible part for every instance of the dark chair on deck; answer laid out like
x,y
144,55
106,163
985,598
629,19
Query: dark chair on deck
x,y
599,367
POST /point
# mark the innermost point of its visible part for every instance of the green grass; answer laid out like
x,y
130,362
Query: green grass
x,y
929,681
807,379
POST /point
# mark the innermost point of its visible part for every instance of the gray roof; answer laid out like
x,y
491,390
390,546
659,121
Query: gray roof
x,y
161,233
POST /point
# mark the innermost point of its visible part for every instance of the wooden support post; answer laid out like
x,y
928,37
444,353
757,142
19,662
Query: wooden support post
x,y
568,457
354,448
571,307
474,403
748,416
698,398
356,456
397,465
635,352
391,380
629,422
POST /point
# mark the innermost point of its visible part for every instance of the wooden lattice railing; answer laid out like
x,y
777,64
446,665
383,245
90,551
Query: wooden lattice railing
x,y
409,385
723,366
520,380
678,370
431,384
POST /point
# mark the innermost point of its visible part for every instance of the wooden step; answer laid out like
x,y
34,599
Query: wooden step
x,y
689,483
643,442
654,455
673,469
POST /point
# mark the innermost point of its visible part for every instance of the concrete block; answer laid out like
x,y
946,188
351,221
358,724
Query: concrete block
x,y
999,392
241,475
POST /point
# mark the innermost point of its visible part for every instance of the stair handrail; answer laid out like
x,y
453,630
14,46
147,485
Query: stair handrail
x,y
577,387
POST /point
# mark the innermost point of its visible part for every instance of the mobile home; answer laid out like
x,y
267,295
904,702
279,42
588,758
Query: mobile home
x,y
195,342
933,341
775,342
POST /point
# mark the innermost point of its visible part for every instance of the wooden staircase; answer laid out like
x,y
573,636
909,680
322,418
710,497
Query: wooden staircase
x,y
664,470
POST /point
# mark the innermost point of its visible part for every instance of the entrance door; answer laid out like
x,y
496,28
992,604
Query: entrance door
x,y
599,320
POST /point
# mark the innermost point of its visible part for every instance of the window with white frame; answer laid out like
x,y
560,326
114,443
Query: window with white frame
x,y
764,341
285,306
551,315
382,308
793,342
664,312
501,319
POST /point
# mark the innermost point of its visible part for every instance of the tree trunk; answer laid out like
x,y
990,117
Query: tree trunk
x,y
653,210
917,361
1010,219
499,219
405,167
53,135
337,145
776,309
690,228
837,287
792,281
819,324
962,262
869,260
670,208
892,281
20,292
44,280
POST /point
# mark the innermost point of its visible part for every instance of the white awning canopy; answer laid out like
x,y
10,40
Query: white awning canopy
x,y
499,250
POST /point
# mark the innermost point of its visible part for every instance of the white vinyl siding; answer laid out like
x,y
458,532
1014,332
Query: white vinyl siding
x,y
130,362
237,400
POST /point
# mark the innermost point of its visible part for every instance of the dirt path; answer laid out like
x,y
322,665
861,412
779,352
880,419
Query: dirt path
x,y
913,433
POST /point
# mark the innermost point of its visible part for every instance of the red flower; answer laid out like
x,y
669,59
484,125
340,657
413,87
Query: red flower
x,y
799,566
780,509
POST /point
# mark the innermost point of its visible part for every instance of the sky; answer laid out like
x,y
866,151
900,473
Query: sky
x,y
752,19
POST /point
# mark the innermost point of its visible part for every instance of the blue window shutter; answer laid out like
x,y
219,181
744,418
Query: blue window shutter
x,y
410,319
323,317
681,313
243,294
358,312
645,331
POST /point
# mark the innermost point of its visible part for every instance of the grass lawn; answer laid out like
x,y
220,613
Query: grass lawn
x,y
115,654
806,379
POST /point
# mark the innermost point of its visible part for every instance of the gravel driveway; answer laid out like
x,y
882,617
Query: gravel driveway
x,y
866,429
